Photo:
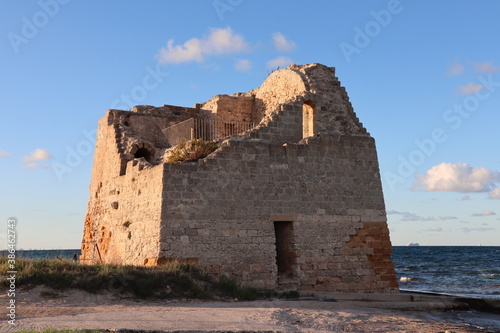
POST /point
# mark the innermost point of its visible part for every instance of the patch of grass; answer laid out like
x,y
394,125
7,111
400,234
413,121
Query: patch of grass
x,y
231,287
174,280
56,273
191,151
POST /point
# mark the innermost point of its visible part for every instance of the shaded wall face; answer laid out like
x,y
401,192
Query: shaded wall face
x,y
222,214
136,128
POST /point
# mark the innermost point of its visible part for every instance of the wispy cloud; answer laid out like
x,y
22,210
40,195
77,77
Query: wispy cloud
x,y
468,230
280,62
457,177
434,229
470,88
455,69
485,213
415,217
4,153
408,216
281,43
34,159
447,217
219,41
243,65
486,67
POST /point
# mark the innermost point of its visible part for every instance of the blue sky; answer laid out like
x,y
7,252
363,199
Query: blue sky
x,y
423,77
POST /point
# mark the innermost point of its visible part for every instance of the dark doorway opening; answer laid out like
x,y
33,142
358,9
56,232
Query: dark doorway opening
x,y
143,152
285,255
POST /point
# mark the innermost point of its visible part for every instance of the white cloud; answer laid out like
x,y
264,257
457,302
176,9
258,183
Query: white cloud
x,y
455,69
35,157
190,51
457,177
4,153
466,198
485,213
224,41
486,67
434,229
243,65
219,41
495,194
280,62
470,88
281,43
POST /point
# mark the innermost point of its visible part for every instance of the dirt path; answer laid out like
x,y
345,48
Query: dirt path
x,y
79,310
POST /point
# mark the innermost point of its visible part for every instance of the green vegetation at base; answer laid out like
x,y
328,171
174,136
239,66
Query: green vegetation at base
x,y
174,280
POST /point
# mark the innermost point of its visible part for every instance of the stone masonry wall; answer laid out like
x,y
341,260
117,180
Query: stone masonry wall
x,y
219,213
123,217
290,203
280,87
232,108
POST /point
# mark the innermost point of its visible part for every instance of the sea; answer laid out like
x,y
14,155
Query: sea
x,y
470,271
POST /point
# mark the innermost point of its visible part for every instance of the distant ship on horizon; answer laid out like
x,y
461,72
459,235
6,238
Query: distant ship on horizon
x,y
413,244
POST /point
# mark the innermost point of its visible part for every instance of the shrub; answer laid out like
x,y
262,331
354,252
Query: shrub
x,y
191,151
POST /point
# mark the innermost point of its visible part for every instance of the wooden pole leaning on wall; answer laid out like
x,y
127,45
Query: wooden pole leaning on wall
x,y
98,252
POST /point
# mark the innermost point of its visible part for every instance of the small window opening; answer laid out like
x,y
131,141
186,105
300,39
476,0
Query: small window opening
x,y
143,152
285,255
308,119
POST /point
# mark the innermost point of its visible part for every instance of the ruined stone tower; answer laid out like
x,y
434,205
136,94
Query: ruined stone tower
x,y
292,198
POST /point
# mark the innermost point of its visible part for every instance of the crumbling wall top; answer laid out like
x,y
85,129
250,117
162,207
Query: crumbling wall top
x,y
313,84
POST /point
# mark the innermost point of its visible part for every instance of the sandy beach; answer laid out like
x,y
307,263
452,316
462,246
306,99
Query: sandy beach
x,y
321,313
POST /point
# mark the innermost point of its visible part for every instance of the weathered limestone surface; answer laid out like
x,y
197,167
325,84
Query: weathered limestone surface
x,y
294,202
